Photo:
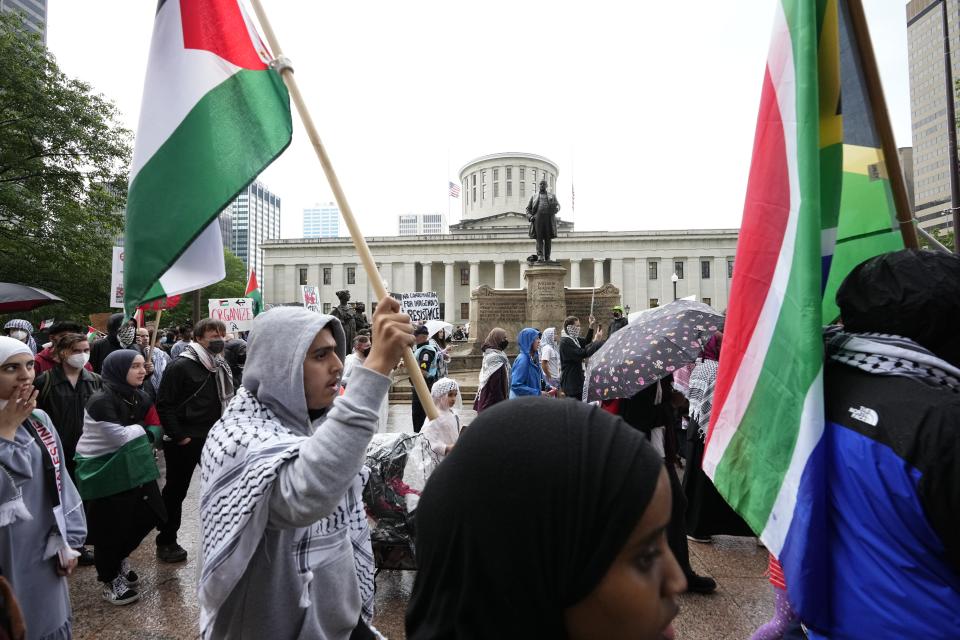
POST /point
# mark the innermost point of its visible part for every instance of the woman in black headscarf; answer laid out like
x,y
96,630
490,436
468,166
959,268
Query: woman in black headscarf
x,y
116,472
547,520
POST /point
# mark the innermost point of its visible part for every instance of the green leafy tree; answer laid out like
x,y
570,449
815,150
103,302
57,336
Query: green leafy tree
x,y
233,286
63,173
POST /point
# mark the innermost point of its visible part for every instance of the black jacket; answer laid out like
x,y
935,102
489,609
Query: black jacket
x,y
103,347
65,403
616,325
572,354
188,401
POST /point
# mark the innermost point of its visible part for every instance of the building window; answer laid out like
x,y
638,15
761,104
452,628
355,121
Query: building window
x,y
474,176
522,171
327,275
704,269
523,189
509,188
706,301
496,174
496,189
464,310
509,173
327,307
483,192
652,270
474,194
465,276
678,269
303,275
654,302
730,267
351,275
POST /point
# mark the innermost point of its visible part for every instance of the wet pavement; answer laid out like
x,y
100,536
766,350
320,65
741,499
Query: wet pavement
x,y
168,608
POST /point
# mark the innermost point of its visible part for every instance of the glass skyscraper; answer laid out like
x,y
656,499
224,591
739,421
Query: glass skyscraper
x,y
34,14
321,221
251,219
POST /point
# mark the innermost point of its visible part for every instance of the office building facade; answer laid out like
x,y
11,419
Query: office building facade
x,y
254,217
33,12
928,107
322,221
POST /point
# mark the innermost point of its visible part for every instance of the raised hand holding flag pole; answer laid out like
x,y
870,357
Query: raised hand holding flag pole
x,y
359,241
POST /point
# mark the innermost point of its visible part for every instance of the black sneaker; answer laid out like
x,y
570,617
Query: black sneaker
x,y
86,557
171,552
129,575
700,584
117,592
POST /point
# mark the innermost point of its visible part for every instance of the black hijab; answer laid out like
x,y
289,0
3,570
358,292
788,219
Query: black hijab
x,y
910,293
118,401
524,518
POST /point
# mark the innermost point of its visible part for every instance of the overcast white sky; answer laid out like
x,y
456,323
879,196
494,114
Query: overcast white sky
x,y
647,103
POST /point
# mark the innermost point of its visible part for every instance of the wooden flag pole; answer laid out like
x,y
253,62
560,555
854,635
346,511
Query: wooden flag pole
x,y
363,251
154,334
881,117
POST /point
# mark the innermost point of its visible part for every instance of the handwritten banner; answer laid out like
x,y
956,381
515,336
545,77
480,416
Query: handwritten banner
x,y
236,313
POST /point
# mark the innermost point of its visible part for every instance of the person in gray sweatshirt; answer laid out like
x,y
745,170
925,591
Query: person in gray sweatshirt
x,y
286,549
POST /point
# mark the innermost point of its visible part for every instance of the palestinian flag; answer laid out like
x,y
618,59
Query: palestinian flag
x,y
214,115
253,291
112,457
818,203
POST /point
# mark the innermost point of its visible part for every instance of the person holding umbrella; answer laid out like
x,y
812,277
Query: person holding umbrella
x,y
573,351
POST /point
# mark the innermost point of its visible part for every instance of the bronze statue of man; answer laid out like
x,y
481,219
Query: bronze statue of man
x,y
347,317
542,214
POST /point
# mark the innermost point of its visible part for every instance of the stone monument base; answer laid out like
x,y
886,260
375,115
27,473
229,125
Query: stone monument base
x,y
544,303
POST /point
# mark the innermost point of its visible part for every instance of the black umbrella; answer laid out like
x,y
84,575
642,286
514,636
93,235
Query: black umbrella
x,y
654,346
20,297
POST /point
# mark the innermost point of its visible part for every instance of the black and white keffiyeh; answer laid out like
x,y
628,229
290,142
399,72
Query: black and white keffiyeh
x,y
888,355
703,380
241,460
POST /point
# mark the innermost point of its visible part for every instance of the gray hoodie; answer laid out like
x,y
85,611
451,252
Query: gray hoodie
x,y
286,551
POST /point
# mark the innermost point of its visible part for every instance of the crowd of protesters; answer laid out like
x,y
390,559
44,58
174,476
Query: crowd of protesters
x,y
548,516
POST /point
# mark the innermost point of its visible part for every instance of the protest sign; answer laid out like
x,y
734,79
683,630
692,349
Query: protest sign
x,y
311,297
236,313
420,306
116,279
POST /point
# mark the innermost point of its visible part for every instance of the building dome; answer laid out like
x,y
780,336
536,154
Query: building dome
x,y
503,182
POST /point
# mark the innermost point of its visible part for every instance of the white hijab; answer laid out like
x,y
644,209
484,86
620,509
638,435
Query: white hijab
x,y
10,347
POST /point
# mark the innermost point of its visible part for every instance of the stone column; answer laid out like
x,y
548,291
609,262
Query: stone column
x,y
474,283
721,284
616,277
597,273
574,274
427,276
665,271
386,273
409,271
640,267
498,275
693,278
449,294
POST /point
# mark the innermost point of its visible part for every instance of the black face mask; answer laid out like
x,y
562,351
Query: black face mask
x,y
216,346
503,344
365,352
616,316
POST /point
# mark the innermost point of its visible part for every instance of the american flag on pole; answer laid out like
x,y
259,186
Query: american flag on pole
x,y
454,190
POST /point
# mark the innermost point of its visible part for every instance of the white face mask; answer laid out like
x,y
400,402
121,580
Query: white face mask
x,y
19,334
78,360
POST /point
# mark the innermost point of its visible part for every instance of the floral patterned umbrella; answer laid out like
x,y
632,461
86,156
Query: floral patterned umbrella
x,y
641,353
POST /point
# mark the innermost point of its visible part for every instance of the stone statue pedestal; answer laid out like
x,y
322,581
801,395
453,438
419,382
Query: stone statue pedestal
x,y
546,298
